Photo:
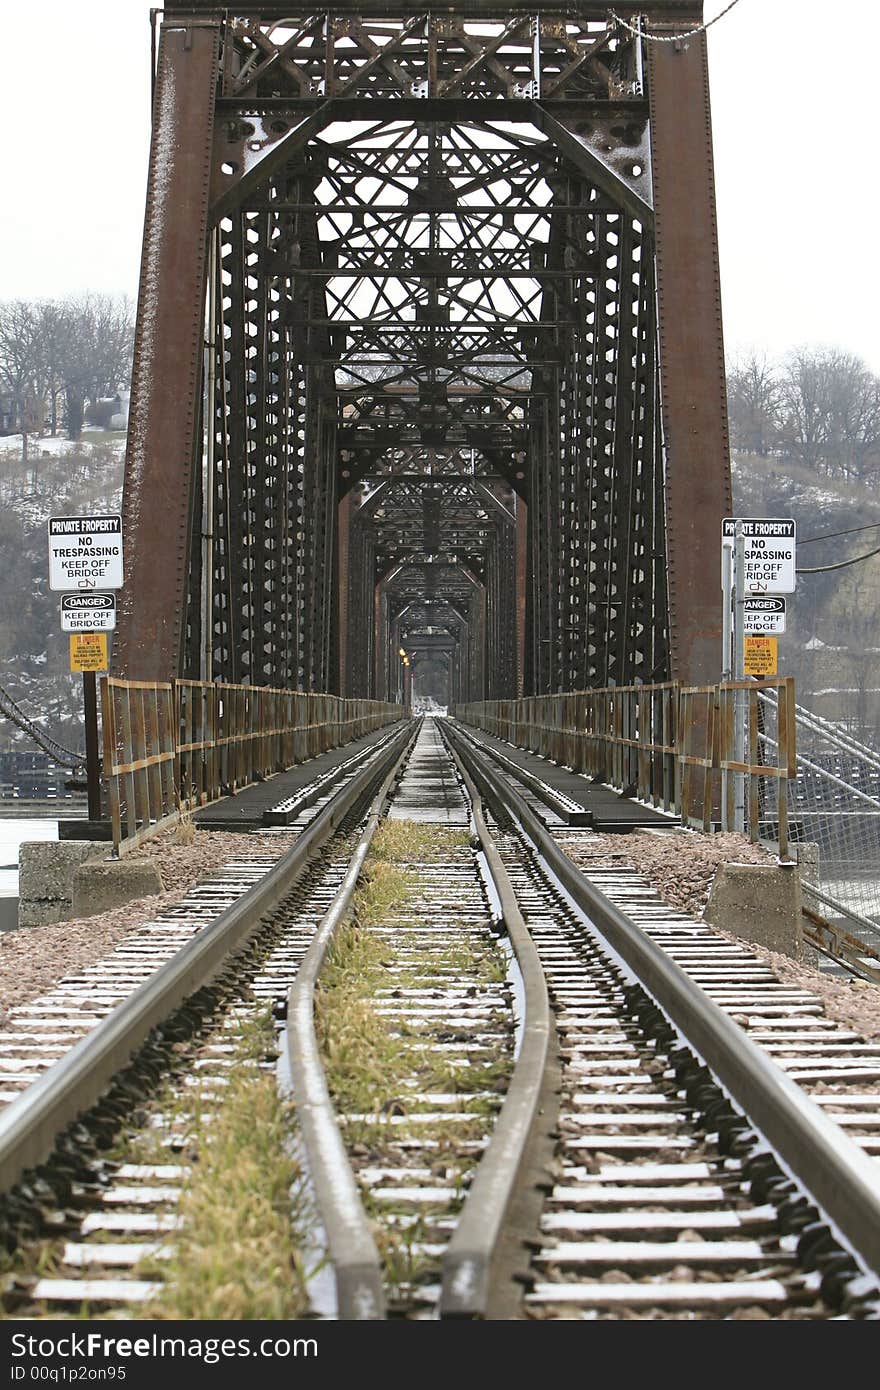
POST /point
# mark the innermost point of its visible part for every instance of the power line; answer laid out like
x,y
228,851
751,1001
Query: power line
x,y
841,565
831,535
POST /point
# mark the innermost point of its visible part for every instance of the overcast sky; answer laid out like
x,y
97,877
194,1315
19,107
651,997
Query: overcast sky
x,y
794,115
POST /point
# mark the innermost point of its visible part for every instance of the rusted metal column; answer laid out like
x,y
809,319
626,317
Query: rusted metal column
x,y
166,379
343,531
692,376
380,646
522,523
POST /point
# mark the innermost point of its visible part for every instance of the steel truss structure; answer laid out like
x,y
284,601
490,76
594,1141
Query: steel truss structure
x,y
429,352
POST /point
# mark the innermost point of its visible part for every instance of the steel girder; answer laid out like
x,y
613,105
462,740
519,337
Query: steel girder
x,y
430,251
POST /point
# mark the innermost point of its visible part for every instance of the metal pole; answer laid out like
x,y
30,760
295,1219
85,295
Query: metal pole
x,y
93,766
739,674
726,604
206,656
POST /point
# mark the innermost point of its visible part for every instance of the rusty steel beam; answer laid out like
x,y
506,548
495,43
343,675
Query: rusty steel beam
x,y
590,9
522,531
166,378
694,399
343,546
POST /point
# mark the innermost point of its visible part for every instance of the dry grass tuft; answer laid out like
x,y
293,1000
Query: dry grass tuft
x,y
400,840
236,1255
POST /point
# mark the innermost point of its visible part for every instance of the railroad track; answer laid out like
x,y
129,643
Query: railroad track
x,y
644,1148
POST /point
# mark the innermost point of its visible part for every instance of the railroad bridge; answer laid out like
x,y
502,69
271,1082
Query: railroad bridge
x,y
429,379
429,353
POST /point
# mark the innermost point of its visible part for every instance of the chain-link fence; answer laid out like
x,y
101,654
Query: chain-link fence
x,y
834,819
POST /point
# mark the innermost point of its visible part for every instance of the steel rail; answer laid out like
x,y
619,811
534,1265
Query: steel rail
x,y
817,1153
31,1123
357,1267
466,1278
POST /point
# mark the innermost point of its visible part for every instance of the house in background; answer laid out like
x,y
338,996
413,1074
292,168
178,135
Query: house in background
x,y
14,419
109,413
8,415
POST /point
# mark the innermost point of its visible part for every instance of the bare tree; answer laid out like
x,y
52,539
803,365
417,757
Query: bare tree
x,y
19,364
96,341
52,331
76,350
753,396
830,412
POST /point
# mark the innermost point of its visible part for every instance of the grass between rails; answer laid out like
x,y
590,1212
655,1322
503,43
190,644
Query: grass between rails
x,y
242,1211
379,1067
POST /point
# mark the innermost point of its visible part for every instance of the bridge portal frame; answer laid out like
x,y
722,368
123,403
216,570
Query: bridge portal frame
x,y
193,183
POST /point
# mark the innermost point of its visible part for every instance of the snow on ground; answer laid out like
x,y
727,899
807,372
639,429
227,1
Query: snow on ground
x,y
10,444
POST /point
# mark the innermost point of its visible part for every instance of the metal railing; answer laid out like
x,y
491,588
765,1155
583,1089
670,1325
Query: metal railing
x,y
669,745
624,735
173,746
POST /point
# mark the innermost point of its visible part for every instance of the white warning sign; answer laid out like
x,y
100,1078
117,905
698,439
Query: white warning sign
x,y
85,553
769,553
764,615
88,612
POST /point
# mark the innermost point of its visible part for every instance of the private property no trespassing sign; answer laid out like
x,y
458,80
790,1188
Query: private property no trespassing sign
x,y
85,552
768,553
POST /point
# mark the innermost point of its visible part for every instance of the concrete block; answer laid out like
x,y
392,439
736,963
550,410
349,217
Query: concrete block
x,y
34,913
99,886
45,877
760,903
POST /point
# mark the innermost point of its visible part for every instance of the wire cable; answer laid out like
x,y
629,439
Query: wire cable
x,y
841,564
672,38
832,535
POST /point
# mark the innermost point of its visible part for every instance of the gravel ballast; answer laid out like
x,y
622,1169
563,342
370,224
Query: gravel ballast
x,y
34,959
681,864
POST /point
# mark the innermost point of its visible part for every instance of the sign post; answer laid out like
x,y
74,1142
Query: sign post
x,y
739,732
85,560
93,765
726,614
